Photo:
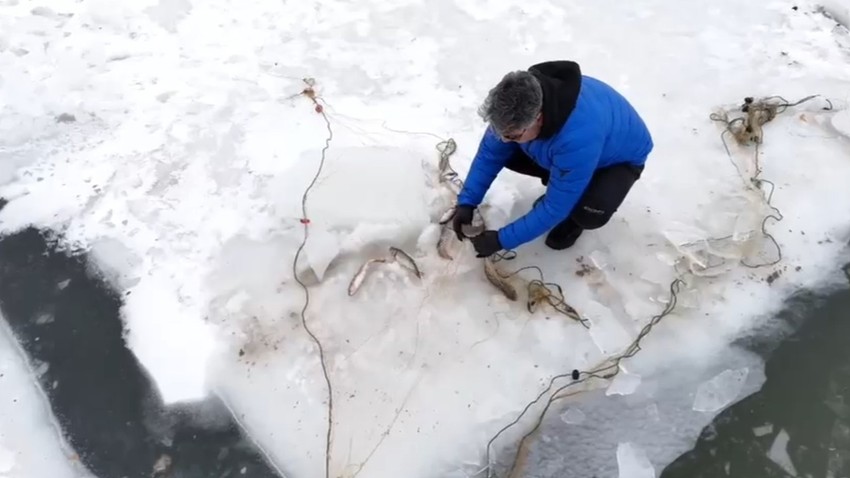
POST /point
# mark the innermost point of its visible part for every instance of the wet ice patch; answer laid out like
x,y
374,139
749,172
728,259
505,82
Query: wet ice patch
x,y
573,416
652,412
718,392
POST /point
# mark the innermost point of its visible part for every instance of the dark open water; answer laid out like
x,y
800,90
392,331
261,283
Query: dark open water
x,y
806,396
105,403
113,419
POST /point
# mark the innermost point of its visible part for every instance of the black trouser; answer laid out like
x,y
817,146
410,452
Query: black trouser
x,y
603,196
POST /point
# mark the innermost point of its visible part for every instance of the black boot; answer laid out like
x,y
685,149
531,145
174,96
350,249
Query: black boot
x,y
564,235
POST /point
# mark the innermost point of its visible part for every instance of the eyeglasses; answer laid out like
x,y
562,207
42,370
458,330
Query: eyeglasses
x,y
513,137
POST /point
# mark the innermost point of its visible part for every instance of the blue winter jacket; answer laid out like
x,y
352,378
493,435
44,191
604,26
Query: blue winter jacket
x,y
587,125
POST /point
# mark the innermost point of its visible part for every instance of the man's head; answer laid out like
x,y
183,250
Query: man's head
x,y
513,107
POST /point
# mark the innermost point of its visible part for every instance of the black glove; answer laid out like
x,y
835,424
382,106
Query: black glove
x,y
463,217
487,243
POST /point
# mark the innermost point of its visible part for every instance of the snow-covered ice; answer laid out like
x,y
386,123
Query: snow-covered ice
x,y
169,140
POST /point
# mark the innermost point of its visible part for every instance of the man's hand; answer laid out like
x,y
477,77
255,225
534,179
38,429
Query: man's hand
x,y
463,217
487,243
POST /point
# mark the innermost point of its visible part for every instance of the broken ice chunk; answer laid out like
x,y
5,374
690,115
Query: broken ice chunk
x,y
778,453
657,275
623,384
633,462
608,335
720,391
763,430
573,416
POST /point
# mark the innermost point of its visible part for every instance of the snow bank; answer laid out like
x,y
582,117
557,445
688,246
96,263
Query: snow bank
x,y
183,168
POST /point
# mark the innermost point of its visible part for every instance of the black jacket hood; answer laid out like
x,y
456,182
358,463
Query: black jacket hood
x,y
561,82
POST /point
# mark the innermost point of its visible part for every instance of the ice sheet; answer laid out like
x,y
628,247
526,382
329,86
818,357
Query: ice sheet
x,y
191,145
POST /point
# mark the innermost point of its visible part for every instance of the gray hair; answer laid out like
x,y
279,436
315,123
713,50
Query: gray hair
x,y
513,103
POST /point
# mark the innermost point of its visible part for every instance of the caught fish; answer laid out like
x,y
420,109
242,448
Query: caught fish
x,y
477,227
537,291
446,173
448,215
396,255
404,260
448,238
445,242
454,182
446,149
497,279
361,274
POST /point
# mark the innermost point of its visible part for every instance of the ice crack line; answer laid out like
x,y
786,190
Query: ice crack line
x,y
311,94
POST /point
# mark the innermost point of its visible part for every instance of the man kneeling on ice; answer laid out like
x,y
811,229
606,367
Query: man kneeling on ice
x,y
583,139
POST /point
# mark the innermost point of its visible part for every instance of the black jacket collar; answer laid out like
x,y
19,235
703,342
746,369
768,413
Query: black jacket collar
x,y
561,82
